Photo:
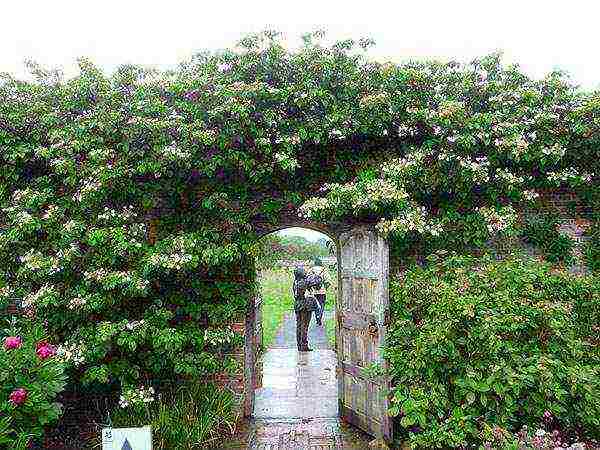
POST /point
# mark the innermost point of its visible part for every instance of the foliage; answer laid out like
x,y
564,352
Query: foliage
x,y
130,201
275,247
186,417
542,231
31,377
592,247
478,343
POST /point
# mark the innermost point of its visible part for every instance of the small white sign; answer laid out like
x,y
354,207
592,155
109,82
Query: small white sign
x,y
127,438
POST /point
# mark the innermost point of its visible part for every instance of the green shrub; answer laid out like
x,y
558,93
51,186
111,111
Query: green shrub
x,y
187,417
541,230
31,377
592,248
481,343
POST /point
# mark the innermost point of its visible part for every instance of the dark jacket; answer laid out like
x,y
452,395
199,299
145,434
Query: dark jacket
x,y
302,302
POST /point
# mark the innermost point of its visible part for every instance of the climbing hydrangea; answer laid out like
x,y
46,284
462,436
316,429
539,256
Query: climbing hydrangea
x,y
137,196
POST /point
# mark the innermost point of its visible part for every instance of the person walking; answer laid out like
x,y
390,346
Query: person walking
x,y
321,280
304,305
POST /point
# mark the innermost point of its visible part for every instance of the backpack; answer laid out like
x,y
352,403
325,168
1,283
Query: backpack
x,y
315,281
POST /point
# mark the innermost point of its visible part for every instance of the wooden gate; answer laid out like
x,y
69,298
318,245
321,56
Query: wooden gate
x,y
363,311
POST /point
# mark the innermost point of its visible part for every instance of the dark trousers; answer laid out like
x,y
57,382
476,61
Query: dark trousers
x,y
320,307
302,322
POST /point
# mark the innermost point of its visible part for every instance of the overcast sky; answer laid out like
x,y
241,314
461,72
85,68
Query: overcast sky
x,y
540,35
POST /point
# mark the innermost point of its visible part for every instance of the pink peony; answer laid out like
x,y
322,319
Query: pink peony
x,y
45,350
18,396
12,342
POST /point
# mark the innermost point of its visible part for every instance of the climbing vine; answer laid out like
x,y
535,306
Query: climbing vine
x,y
129,201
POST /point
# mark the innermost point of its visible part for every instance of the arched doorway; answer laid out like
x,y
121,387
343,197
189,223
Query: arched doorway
x,y
361,319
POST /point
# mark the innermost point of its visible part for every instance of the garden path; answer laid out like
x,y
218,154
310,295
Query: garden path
x,y
297,406
286,335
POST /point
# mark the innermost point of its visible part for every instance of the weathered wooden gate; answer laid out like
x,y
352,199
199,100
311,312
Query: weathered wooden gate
x,y
362,315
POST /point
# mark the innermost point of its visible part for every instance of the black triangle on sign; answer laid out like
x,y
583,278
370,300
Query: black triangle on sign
x,y
126,445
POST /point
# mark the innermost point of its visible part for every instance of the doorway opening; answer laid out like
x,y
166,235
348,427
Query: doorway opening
x,y
343,383
294,384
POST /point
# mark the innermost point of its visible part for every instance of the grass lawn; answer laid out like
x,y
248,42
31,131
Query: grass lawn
x,y
276,286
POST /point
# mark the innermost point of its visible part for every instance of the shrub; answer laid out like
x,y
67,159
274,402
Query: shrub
x,y
541,230
31,377
185,417
482,343
592,247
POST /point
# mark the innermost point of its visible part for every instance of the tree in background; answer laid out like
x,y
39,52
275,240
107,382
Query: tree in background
x,y
274,247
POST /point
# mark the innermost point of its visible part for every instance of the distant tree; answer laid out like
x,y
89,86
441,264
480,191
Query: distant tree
x,y
275,247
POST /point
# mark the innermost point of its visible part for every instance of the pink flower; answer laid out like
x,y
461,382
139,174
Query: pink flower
x,y
45,350
12,342
547,415
18,396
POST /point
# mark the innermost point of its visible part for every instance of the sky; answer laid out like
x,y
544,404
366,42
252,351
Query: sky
x,y
311,235
540,35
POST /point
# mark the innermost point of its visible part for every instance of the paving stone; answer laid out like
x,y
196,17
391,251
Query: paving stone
x,y
296,407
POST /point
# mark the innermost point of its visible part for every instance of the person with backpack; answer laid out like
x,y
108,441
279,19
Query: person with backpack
x,y
304,305
320,279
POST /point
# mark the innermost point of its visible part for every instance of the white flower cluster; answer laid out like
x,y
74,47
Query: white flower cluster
x,y
516,144
336,134
414,220
33,260
172,261
569,175
51,212
31,299
530,195
136,231
407,131
23,218
498,220
134,325
27,195
294,139
556,150
479,168
509,177
89,186
396,168
136,396
377,192
71,353
313,206
71,225
6,292
111,215
76,303
173,152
